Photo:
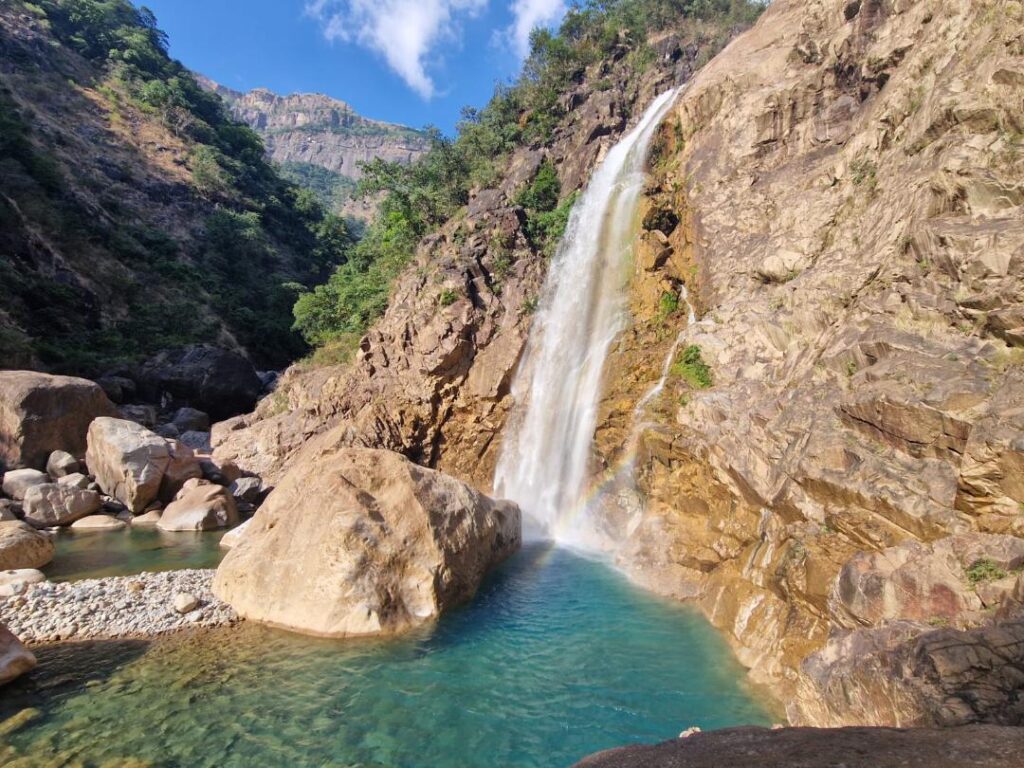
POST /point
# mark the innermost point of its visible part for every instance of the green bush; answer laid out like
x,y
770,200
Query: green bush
x,y
690,366
984,569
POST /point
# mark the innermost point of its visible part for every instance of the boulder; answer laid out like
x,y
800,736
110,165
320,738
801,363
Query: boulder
x,y
247,489
128,461
152,517
10,510
60,464
14,582
182,467
220,382
191,420
40,414
76,480
22,546
54,504
99,523
120,389
141,414
17,482
197,441
200,508
15,659
232,537
358,542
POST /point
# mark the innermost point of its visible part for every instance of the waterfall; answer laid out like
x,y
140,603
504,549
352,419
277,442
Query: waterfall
x,y
544,461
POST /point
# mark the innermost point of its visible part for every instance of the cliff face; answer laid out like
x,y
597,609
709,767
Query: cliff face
x,y
839,489
307,129
847,181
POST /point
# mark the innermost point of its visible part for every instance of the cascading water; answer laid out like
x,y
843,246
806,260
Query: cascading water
x,y
545,456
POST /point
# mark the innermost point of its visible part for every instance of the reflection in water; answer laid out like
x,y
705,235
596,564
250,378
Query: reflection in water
x,y
557,657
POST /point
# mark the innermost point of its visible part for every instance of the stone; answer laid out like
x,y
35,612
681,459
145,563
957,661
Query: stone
x,y
185,602
234,536
128,461
358,542
152,517
54,504
191,420
99,523
22,546
199,508
10,510
978,746
40,414
141,414
15,659
198,441
182,467
14,582
218,381
247,489
168,431
17,482
60,464
120,389
76,480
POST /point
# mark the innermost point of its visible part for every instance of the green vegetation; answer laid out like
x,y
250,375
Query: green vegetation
x,y
690,366
421,197
333,189
667,304
226,255
983,570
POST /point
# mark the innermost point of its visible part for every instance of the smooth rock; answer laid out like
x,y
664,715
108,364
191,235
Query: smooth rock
x,y
247,489
22,546
152,517
357,541
234,536
54,504
200,508
60,464
17,482
14,582
15,659
40,414
185,602
76,480
99,523
128,461
182,467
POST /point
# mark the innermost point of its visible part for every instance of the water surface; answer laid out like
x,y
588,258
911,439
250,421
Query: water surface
x,y
95,554
557,657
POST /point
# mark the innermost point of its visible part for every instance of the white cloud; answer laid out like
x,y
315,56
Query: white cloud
x,y
407,33
527,16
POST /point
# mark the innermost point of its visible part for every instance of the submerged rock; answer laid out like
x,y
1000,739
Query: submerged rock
x,y
358,542
15,659
40,414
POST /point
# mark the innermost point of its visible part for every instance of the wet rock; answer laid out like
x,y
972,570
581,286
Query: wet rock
x,y
356,542
22,546
54,504
128,461
15,659
17,482
978,746
220,382
40,414
60,464
200,508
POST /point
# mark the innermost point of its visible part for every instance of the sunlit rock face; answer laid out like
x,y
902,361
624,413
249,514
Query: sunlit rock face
x,y
364,542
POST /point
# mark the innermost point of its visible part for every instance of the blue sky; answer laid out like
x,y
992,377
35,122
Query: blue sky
x,y
415,62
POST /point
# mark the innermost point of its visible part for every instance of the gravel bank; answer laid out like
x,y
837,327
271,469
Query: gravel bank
x,y
114,607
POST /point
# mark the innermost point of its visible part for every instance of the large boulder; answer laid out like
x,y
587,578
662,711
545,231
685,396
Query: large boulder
x,y
358,542
22,546
17,482
220,382
127,460
40,414
200,508
55,504
15,659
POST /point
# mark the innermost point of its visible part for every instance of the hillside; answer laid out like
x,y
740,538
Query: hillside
x,y
136,215
320,142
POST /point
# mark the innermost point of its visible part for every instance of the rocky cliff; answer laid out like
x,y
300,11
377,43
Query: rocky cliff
x,y
308,131
839,192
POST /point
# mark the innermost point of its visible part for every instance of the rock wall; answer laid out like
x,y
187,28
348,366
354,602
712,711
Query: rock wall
x,y
845,199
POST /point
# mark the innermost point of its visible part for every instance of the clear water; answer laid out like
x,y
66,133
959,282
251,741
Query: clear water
x,y
557,657
94,554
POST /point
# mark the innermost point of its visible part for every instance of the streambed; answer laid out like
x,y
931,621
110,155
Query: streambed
x,y
557,657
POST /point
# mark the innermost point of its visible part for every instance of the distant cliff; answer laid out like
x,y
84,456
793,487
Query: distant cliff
x,y
319,141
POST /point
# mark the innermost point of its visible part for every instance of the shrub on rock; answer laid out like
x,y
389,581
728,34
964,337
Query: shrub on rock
x,y
358,542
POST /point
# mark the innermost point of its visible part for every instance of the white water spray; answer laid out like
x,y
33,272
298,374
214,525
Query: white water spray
x,y
545,457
